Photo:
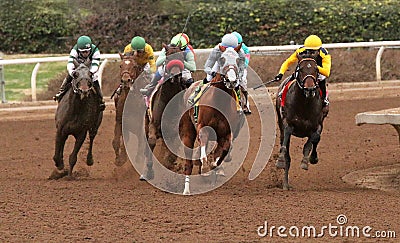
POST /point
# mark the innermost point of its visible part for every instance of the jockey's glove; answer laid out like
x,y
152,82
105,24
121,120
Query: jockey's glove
x,y
278,77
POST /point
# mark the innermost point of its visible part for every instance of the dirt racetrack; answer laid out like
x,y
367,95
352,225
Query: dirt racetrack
x,y
108,204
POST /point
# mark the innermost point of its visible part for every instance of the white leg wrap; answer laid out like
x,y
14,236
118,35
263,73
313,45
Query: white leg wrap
x,y
186,191
203,155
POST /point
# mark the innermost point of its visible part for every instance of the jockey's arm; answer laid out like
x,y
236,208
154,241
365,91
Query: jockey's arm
x,y
128,49
150,57
189,62
94,67
246,54
70,65
212,58
242,64
291,60
326,63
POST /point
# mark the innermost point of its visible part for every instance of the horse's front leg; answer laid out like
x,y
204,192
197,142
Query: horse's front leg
x,y
315,138
306,154
187,134
203,140
220,153
59,171
283,151
92,135
73,157
148,172
117,142
283,161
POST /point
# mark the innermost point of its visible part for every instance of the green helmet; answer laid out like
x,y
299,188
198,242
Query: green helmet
x,y
84,43
138,43
179,39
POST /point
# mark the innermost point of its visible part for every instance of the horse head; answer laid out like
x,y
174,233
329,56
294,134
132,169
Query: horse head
x,y
129,70
82,81
228,64
174,62
307,75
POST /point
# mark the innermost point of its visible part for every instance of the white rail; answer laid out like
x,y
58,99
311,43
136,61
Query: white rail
x,y
254,49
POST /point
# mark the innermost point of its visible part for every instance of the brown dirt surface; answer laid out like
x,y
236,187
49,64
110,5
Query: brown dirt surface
x,y
104,203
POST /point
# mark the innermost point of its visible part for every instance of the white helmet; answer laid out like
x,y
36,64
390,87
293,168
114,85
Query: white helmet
x,y
229,40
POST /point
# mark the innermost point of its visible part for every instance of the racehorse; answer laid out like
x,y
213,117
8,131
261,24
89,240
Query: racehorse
x,y
171,85
300,114
77,114
129,72
217,109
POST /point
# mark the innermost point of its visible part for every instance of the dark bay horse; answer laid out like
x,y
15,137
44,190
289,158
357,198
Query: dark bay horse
x,y
77,114
217,109
300,115
171,85
129,72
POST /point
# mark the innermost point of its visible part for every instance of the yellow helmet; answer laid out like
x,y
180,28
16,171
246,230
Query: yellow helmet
x,y
313,42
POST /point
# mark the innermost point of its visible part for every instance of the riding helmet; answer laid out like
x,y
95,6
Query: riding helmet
x,y
229,40
238,36
84,43
313,42
179,39
138,43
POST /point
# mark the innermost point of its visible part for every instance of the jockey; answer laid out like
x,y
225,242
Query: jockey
x,y
243,81
82,51
143,51
312,44
211,67
189,64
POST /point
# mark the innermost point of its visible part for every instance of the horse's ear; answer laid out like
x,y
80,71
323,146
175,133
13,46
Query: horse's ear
x,y
237,49
121,55
165,46
222,48
75,75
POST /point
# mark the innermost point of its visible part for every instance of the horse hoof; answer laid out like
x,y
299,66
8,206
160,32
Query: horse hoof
x,y
228,158
313,160
287,187
90,162
119,162
280,164
147,176
304,166
57,174
220,172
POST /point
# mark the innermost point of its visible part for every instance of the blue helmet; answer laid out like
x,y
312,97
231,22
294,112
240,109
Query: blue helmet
x,y
238,36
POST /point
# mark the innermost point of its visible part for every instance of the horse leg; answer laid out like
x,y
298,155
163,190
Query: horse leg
x,y
73,157
59,171
220,153
148,173
306,153
188,137
117,142
315,138
203,138
283,151
92,135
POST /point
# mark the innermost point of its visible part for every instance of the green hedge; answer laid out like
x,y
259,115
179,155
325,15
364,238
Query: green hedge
x,y
52,26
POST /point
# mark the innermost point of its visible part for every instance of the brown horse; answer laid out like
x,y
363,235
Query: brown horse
x,y
300,115
77,114
129,72
171,85
217,109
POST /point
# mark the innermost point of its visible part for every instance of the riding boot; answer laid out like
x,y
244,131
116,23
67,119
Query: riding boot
x,y
325,101
97,88
150,87
63,89
246,106
196,92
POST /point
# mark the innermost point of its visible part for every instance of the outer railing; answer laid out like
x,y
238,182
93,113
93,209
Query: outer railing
x,y
255,49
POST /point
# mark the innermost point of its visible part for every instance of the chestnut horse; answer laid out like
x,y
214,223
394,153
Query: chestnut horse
x,y
217,109
77,114
129,72
300,115
171,85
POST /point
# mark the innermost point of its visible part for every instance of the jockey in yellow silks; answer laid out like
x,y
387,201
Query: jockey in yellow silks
x,y
311,44
143,52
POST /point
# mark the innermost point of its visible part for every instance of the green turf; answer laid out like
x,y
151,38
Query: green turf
x,y
18,78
